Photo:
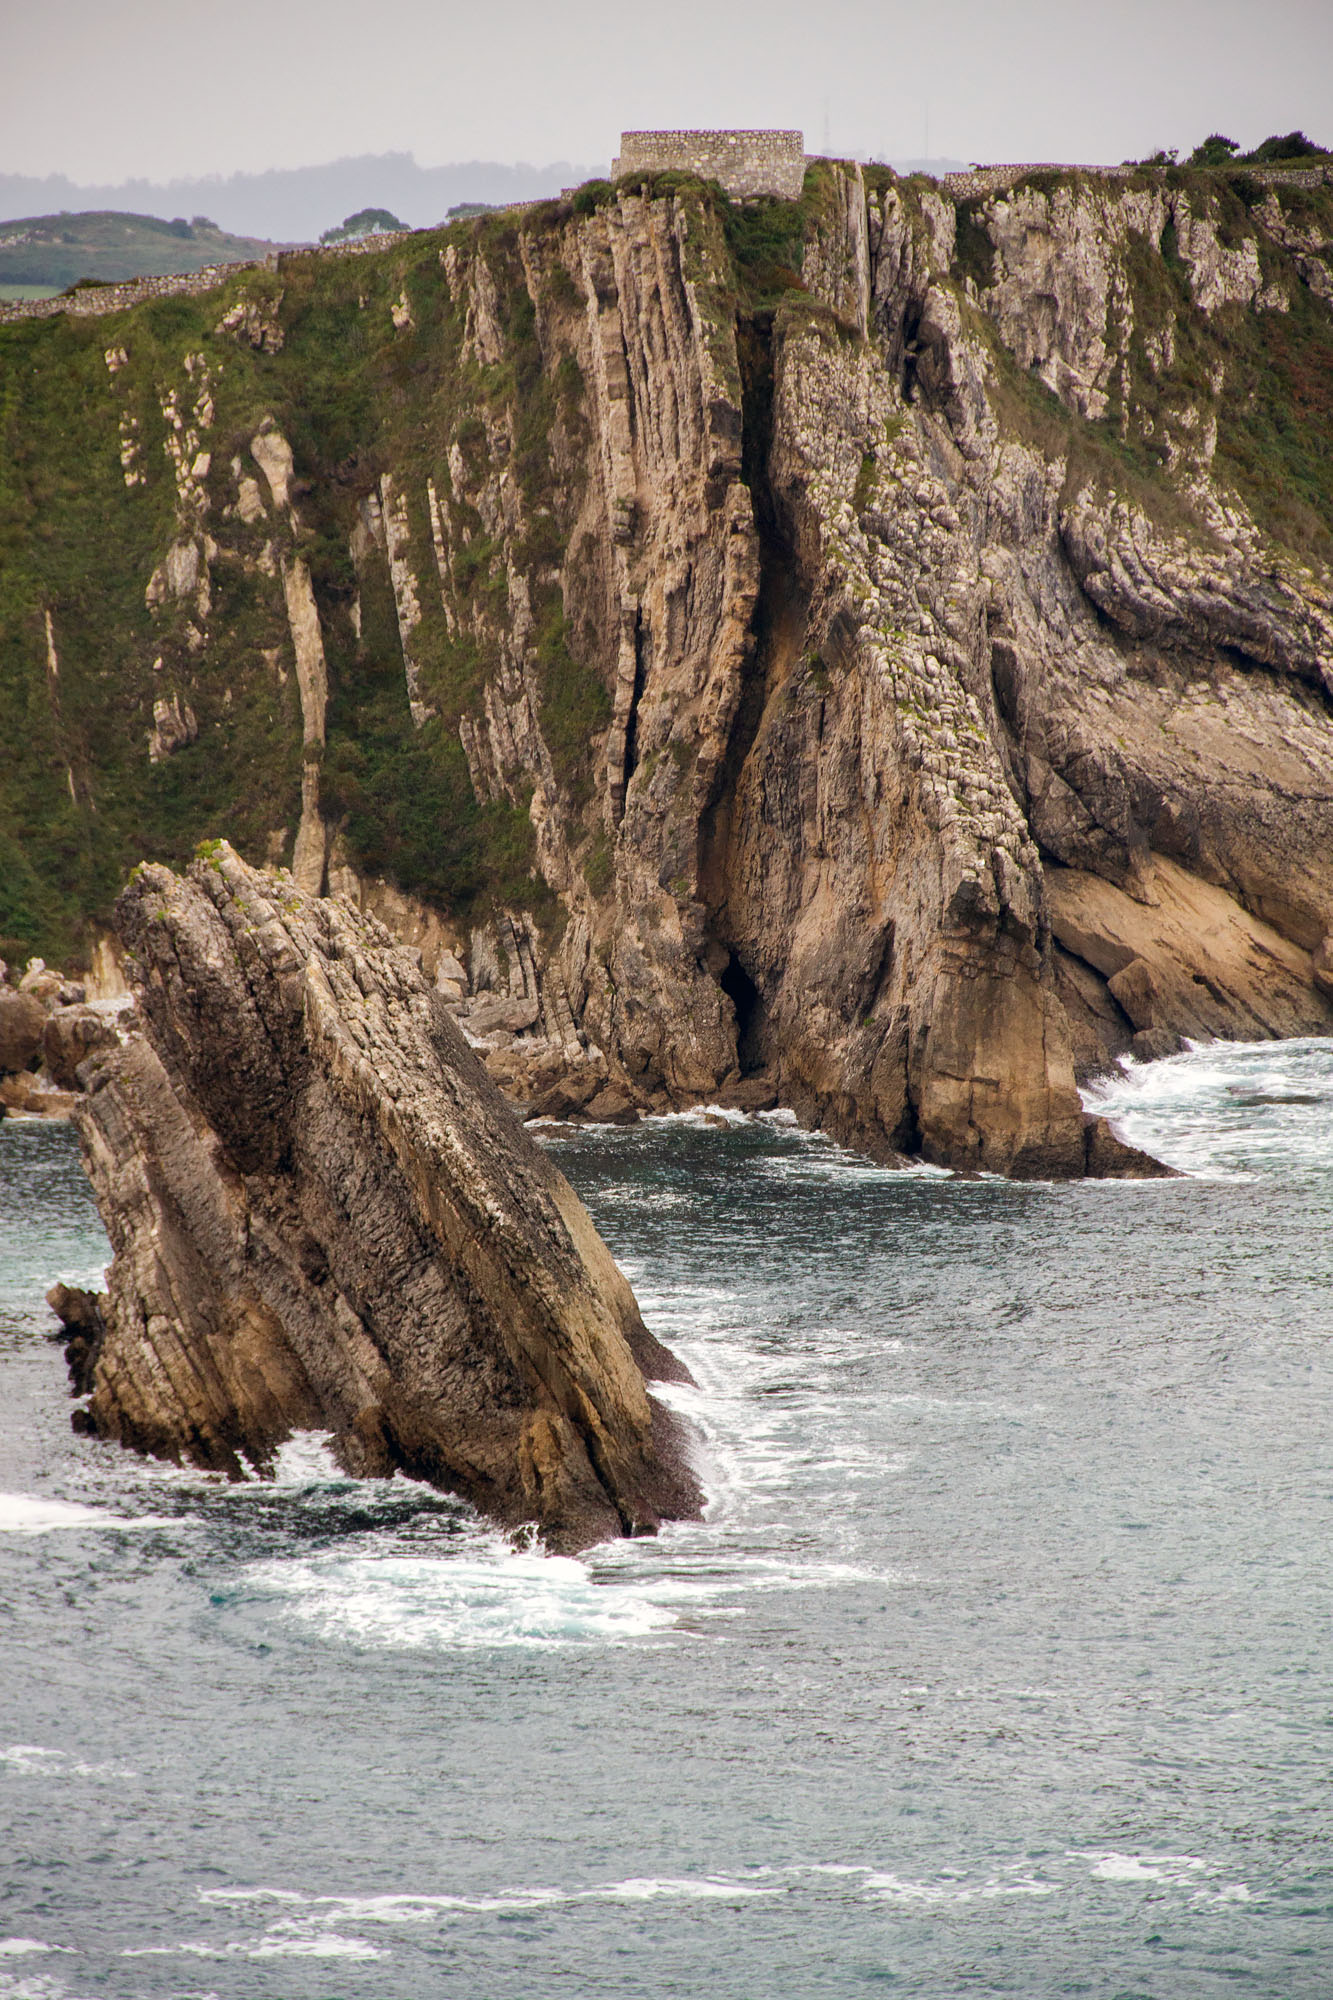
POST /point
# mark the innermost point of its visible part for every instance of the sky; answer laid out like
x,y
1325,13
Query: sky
x,y
166,88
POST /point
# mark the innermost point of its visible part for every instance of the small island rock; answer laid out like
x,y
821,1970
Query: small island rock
x,y
324,1216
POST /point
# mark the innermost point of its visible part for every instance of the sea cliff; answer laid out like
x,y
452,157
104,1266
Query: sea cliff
x,y
873,651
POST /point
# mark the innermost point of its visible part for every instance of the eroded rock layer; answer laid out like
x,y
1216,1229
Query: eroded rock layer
x,y
873,652
323,1215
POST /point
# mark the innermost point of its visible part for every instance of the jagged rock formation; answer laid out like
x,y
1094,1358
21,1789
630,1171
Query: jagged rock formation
x,y
46,1031
323,1215
874,652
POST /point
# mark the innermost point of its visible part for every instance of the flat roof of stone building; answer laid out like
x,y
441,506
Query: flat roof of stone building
x,y
786,132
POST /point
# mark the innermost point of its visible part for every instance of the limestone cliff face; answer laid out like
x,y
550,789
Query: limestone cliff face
x,y
874,652
324,1215
961,691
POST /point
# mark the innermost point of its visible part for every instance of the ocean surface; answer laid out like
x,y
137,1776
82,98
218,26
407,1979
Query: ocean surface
x,y
1002,1664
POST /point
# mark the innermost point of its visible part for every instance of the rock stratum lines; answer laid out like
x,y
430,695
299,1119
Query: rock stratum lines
x,y
871,652
324,1215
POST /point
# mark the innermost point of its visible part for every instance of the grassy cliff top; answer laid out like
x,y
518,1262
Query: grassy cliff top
x,y
109,247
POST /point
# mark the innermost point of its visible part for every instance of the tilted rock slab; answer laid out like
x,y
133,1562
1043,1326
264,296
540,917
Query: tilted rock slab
x,y
324,1216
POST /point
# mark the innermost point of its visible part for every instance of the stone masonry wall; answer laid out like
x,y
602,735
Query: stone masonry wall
x,y
744,163
90,300
998,180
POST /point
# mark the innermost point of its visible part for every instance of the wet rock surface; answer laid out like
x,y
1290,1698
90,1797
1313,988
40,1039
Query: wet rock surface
x,y
324,1215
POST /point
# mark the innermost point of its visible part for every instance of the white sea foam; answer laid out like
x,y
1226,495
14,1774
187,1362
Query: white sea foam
x,y
30,1514
1225,1110
21,1947
1162,1871
898,1889
675,1888
329,1945
41,1987
30,1757
33,1760
711,1116
330,1925
1173,1868
306,1459
271,1944
308,1921
493,1597
261,1895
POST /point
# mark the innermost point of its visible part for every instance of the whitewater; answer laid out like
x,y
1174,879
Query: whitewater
x,y
1000,1663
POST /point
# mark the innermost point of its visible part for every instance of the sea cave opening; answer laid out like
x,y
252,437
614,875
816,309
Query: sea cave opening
x,y
744,996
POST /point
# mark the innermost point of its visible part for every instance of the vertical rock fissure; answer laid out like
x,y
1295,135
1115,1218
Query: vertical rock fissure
x,y
745,998
632,718
779,610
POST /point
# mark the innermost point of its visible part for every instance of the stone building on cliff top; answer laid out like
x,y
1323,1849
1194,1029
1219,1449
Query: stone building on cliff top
x,y
745,163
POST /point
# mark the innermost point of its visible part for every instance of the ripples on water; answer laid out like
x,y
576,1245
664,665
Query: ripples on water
x,y
1000,1665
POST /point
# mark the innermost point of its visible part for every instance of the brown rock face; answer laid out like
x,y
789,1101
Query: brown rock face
x,y
71,1035
939,773
915,682
324,1216
22,1024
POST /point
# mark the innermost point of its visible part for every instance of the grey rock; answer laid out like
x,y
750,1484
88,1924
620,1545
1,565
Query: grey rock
x,y
515,1015
70,1036
323,1215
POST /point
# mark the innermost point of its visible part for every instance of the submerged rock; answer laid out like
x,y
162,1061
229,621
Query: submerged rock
x,y
324,1216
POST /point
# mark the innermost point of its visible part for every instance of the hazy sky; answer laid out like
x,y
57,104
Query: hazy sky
x,y
103,90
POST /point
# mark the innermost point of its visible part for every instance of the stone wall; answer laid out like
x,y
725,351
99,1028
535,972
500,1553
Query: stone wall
x,y
744,163
94,299
997,180
978,181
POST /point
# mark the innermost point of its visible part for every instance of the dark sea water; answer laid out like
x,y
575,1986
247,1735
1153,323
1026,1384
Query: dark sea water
x,y
1003,1663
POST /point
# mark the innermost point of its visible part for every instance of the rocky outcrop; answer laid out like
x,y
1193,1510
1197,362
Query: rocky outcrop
x,y
22,1026
947,675
46,1031
323,1215
70,1035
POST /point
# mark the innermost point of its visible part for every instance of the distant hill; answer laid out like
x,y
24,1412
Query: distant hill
x,y
298,204
42,251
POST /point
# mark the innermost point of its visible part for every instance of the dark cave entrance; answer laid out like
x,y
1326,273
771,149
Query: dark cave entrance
x,y
744,996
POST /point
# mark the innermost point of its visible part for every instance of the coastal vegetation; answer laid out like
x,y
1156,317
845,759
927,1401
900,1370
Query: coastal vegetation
x,y
521,613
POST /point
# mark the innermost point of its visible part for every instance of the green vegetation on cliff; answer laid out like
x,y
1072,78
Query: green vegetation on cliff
x,y
80,800
448,377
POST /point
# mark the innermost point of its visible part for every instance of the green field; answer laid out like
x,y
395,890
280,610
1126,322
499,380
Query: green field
x,y
42,254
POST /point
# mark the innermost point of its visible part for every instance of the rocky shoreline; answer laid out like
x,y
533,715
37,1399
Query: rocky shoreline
x,y
49,1024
